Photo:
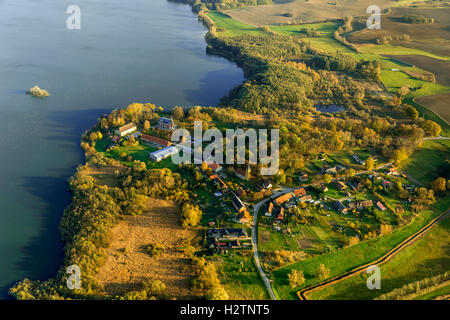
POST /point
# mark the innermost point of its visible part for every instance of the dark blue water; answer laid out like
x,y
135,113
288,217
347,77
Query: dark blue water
x,y
126,51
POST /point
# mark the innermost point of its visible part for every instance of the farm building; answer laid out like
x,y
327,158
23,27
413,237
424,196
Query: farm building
x,y
154,141
163,153
126,129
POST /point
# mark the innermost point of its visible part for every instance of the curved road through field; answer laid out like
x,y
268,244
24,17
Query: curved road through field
x,y
302,294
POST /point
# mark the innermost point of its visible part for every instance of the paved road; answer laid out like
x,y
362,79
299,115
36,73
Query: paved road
x,y
302,294
255,243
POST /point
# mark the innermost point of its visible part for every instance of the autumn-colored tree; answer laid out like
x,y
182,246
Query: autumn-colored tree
x,y
191,215
327,178
296,278
322,272
146,125
403,91
178,113
439,185
370,163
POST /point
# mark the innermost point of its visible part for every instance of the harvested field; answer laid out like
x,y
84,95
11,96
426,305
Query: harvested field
x,y
439,103
440,68
311,11
432,37
128,265
104,175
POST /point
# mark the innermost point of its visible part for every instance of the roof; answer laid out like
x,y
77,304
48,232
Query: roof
x,y
381,206
164,152
152,139
165,120
306,198
283,198
244,216
299,192
270,207
340,185
238,204
339,206
214,166
127,127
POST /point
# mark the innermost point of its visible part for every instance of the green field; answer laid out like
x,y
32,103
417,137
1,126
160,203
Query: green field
x,y
348,258
423,164
239,276
434,294
425,258
232,27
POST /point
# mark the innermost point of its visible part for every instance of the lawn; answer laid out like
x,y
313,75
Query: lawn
x,y
139,152
424,163
425,258
346,259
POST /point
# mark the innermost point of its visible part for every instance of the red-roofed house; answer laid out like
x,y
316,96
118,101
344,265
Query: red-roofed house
x,y
280,200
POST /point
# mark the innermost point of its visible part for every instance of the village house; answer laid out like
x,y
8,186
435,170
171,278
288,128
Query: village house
x,y
126,129
267,184
303,177
359,160
214,167
381,206
387,185
240,192
243,217
340,185
355,184
392,171
360,205
166,124
306,198
152,141
331,171
340,207
321,188
269,210
280,216
299,192
218,182
282,199
238,204
228,233
242,174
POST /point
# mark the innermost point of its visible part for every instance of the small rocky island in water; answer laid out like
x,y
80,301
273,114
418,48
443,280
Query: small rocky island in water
x,y
38,92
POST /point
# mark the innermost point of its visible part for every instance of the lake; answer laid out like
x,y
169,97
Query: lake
x,y
126,51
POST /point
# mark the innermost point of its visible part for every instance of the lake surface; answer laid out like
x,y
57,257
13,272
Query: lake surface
x,y
126,51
